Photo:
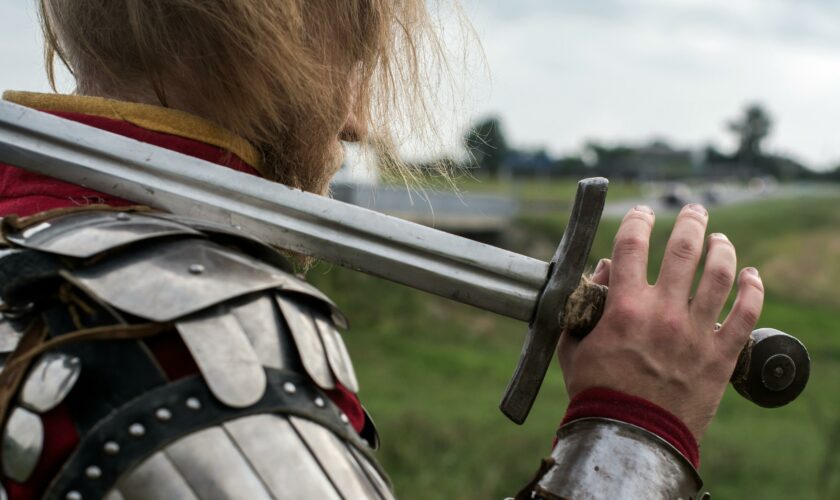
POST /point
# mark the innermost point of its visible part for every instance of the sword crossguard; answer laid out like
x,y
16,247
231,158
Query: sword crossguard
x,y
565,271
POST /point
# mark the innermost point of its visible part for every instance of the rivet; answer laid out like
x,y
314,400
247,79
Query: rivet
x,y
196,269
123,216
319,402
111,448
163,414
344,418
136,430
73,495
93,472
289,388
193,404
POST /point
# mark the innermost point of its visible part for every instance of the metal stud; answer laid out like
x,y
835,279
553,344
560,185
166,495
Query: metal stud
x,y
93,472
196,269
193,404
289,388
344,418
163,414
111,448
319,402
73,495
122,216
136,430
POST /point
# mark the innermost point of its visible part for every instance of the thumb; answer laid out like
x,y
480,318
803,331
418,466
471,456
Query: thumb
x,y
601,276
568,344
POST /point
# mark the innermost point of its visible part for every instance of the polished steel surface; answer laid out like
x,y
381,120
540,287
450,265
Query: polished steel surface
x,y
87,234
23,442
155,478
10,333
51,378
260,321
215,468
373,475
567,267
337,354
308,342
282,460
601,458
116,495
224,355
415,255
339,463
162,288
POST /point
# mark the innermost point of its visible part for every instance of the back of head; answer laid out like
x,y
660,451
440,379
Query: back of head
x,y
285,74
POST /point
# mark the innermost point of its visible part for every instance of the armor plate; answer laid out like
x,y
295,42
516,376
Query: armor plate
x,y
252,423
600,458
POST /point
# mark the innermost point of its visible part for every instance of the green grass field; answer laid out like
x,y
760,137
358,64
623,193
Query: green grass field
x,y
432,371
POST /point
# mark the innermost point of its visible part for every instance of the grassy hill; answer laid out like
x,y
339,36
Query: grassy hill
x,y
432,371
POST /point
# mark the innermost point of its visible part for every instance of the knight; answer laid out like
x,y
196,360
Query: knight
x,y
149,356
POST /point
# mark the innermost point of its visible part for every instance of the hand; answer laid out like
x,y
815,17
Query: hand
x,y
655,341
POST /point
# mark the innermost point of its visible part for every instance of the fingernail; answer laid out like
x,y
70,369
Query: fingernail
x,y
696,207
599,267
643,208
752,271
720,236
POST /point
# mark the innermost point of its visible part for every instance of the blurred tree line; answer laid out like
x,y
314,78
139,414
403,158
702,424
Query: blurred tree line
x,y
491,155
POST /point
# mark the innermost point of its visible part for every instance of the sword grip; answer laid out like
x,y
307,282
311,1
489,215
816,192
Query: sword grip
x,y
772,369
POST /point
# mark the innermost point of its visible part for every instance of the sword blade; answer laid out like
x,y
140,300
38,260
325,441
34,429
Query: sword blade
x,y
444,264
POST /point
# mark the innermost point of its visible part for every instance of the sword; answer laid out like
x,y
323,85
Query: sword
x,y
772,370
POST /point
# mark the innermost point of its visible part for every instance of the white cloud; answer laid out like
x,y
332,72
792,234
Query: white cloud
x,y
629,70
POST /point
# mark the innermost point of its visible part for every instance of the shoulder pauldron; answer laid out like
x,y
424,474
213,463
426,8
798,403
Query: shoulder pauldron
x,y
98,304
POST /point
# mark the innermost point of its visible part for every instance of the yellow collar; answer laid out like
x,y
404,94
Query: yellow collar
x,y
155,118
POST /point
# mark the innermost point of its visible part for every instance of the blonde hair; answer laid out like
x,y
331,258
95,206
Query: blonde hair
x,y
280,73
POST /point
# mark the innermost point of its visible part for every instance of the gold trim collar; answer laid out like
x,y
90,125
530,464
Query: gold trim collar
x,y
155,118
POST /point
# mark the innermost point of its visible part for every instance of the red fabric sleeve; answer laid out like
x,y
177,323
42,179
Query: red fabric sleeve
x,y
606,403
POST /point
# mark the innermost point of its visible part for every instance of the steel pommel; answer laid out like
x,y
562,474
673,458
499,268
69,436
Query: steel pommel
x,y
773,368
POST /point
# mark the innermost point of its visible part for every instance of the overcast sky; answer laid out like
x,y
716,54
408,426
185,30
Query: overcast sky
x,y
564,71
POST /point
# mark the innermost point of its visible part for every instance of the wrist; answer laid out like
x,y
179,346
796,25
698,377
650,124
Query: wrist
x,y
604,458
605,403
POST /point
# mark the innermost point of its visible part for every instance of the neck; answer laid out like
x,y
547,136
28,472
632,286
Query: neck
x,y
141,94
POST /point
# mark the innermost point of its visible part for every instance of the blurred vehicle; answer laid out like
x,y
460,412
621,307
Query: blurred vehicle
x,y
676,195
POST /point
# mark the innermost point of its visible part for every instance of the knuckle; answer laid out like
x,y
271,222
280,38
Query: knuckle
x,y
721,276
672,324
748,317
685,249
624,310
630,244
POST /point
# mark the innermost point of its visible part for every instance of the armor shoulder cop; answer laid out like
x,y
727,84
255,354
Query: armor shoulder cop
x,y
189,358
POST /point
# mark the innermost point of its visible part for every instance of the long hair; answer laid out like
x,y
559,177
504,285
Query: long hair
x,y
283,74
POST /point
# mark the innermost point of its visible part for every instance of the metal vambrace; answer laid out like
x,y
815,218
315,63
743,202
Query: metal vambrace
x,y
598,458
